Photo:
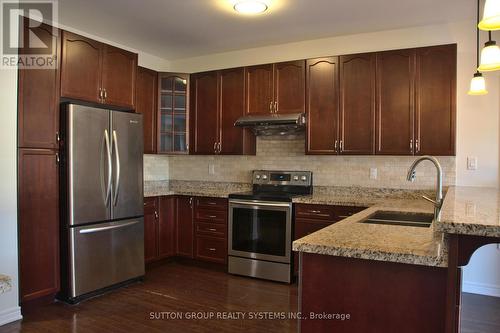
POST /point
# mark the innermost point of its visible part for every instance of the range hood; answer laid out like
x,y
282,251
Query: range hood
x,y
274,124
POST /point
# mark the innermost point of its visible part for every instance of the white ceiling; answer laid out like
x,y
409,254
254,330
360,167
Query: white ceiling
x,y
173,29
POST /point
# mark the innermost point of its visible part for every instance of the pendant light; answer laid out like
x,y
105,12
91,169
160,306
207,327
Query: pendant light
x,y
490,56
491,16
477,84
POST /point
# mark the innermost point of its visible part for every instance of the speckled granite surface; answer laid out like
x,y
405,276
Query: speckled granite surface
x,y
410,245
471,211
5,284
357,196
194,188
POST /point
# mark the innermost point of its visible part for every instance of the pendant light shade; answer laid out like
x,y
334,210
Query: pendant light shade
x,y
477,85
491,16
490,57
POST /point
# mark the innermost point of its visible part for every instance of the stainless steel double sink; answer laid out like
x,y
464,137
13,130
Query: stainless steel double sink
x,y
408,219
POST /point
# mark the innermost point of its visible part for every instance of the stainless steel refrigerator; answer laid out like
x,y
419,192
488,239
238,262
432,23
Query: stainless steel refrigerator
x,y
103,228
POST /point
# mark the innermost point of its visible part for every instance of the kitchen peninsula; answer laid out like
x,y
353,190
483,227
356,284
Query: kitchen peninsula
x,y
391,277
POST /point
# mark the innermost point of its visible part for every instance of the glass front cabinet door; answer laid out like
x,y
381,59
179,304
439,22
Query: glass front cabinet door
x,y
173,113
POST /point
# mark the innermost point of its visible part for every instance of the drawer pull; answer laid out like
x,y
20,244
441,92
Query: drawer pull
x,y
212,203
212,216
211,249
315,211
212,229
345,216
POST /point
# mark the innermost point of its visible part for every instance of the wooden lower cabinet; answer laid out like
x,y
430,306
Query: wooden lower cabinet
x,y
310,218
184,226
378,296
150,229
38,219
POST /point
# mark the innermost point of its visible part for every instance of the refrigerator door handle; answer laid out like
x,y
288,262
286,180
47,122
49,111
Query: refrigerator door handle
x,y
110,166
117,156
92,230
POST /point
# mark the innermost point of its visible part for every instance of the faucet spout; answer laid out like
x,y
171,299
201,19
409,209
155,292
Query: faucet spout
x,y
438,202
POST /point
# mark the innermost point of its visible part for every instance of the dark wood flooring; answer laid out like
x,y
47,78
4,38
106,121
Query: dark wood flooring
x,y
185,288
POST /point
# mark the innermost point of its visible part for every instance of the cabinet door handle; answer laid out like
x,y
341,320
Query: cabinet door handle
x,y
275,107
417,145
212,216
220,147
271,107
315,211
411,144
100,94
105,93
191,202
336,144
156,215
211,249
58,137
58,159
215,147
212,229
341,145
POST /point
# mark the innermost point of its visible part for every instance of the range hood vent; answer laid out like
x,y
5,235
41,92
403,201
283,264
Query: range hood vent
x,y
274,124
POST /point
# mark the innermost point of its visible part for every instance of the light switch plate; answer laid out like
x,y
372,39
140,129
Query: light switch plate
x,y
373,173
471,163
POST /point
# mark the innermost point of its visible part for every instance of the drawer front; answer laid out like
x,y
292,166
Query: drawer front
x,y
343,212
320,212
210,229
211,216
211,203
304,227
211,249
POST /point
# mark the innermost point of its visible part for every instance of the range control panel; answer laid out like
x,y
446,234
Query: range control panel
x,y
295,178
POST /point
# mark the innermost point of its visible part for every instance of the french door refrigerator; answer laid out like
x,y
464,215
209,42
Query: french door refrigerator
x,y
103,221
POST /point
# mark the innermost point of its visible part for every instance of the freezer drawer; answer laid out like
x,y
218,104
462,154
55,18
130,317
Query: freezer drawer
x,y
105,254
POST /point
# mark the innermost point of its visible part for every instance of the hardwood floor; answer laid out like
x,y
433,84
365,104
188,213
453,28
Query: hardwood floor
x,y
182,288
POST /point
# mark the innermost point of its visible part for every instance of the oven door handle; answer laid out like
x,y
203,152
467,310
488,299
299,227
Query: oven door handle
x,y
260,203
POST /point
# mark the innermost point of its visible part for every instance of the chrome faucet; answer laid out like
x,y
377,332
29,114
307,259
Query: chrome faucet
x,y
438,203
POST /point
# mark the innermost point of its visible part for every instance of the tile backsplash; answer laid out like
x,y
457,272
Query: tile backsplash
x,y
275,154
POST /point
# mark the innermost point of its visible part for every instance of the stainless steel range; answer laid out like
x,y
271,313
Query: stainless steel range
x,y
260,224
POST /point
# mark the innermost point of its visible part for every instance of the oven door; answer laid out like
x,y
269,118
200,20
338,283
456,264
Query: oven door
x,y
260,230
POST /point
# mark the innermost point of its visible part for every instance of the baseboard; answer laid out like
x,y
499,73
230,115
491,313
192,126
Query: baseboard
x,y
10,315
481,288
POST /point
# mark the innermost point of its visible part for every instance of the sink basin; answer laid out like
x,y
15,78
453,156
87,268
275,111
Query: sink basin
x,y
408,219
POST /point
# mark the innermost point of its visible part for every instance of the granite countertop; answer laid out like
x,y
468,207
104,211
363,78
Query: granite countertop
x,y
193,188
471,211
349,238
5,284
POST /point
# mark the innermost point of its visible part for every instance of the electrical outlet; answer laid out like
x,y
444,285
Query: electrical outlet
x,y
471,163
211,169
373,173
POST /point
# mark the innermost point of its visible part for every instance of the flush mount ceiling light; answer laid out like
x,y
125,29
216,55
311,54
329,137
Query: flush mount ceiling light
x,y
491,16
250,7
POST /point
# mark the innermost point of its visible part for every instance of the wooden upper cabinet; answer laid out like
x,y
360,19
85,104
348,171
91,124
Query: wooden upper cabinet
x,y
81,68
95,72
38,115
357,104
322,102
146,92
38,192
289,87
259,89
204,110
395,102
435,100
118,76
233,140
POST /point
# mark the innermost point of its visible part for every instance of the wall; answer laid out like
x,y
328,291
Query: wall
x,y
9,307
327,170
477,117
